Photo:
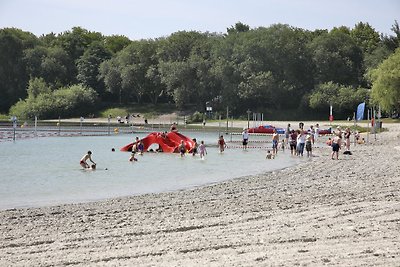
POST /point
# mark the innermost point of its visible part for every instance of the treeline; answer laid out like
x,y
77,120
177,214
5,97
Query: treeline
x,y
265,69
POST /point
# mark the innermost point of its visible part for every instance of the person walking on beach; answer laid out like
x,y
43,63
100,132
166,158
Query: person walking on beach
x,y
316,135
301,140
347,135
275,142
336,143
221,144
202,150
293,142
311,131
287,134
245,136
85,158
309,139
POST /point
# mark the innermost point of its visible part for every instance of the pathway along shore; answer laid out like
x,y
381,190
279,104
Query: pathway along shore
x,y
322,212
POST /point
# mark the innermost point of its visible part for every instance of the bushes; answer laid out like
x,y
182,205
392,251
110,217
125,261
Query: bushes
x,y
196,117
75,100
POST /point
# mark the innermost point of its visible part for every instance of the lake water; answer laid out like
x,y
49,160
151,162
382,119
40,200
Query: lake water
x,y
45,171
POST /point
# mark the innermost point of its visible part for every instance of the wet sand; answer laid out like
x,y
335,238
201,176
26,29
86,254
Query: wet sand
x,y
342,212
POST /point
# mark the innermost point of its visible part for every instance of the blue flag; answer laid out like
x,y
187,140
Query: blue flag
x,y
360,111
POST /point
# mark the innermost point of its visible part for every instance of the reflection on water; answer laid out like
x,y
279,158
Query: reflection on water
x,y
46,171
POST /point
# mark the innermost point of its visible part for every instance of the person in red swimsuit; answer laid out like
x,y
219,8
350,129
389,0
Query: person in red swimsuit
x,y
83,162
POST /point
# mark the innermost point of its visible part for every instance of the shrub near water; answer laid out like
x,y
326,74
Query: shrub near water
x,y
75,100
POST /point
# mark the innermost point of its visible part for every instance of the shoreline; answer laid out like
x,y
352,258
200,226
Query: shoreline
x,y
342,212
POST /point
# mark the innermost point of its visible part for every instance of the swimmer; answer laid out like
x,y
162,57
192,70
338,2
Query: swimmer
x,y
83,162
269,155
132,158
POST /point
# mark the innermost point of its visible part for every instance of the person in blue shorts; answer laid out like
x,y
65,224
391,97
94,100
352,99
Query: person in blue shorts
x,y
275,142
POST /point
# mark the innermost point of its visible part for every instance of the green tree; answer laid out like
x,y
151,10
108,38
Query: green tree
x,y
36,87
13,74
88,67
74,43
344,99
184,67
386,83
392,42
337,58
135,61
365,36
239,27
116,43
72,101
110,73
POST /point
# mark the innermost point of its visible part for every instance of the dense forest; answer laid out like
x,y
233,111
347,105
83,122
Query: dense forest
x,y
276,69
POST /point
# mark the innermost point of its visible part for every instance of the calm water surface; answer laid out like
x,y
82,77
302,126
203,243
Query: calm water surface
x,y
46,171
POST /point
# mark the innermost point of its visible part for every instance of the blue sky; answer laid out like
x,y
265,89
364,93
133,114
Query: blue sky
x,y
156,18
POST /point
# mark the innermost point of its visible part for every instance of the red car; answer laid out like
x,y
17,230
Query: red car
x,y
268,129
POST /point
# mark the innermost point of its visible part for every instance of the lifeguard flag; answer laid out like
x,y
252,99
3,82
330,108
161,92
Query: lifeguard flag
x,y
360,111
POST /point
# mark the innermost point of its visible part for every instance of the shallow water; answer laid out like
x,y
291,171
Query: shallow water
x,y
46,171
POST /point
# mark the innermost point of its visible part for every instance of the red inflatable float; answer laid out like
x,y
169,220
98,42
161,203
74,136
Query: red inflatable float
x,y
168,142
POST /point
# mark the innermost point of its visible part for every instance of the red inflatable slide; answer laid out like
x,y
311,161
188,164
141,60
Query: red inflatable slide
x,y
168,142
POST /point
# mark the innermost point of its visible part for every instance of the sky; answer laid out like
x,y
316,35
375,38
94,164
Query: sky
x,y
144,19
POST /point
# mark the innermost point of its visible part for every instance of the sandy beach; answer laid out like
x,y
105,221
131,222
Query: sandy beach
x,y
342,212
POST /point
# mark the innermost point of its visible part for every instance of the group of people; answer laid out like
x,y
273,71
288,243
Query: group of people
x,y
299,139
336,142
296,140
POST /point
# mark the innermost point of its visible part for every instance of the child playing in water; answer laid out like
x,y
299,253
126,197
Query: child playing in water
x,y
87,156
195,146
132,158
182,148
269,155
140,147
202,149
221,144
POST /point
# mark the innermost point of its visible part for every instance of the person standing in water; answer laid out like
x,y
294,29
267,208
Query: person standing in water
x,y
245,136
182,148
195,146
202,149
275,142
221,144
85,158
